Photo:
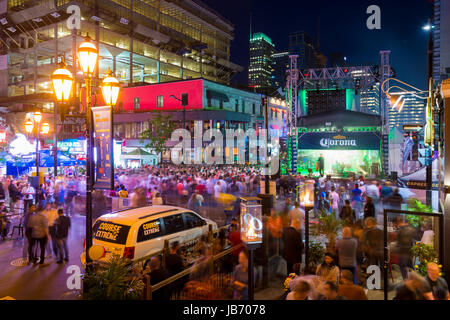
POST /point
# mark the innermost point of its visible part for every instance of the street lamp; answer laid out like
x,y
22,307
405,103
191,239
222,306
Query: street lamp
x,y
62,81
44,129
110,89
37,117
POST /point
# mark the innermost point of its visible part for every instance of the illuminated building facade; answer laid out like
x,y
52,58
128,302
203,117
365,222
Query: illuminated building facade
x,y
369,99
141,41
441,39
412,112
260,68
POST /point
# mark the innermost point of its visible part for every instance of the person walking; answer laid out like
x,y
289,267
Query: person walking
x,y
357,200
293,245
28,192
334,199
369,208
39,235
52,215
347,248
62,231
373,243
41,197
297,214
347,213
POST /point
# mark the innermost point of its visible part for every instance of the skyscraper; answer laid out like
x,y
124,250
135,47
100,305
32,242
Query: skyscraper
x,y
441,54
413,112
280,63
369,100
302,44
260,69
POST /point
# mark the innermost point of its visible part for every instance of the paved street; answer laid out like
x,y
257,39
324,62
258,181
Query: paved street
x,y
31,282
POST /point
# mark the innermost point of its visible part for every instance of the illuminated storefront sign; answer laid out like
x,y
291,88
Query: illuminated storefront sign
x,y
72,146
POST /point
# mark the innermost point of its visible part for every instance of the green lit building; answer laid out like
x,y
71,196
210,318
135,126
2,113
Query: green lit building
x,y
260,68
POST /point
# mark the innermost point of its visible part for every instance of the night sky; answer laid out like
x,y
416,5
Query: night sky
x,y
343,28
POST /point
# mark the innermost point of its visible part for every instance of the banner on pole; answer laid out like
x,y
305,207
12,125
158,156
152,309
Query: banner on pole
x,y
104,175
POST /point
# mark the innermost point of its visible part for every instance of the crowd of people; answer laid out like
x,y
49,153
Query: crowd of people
x,y
356,203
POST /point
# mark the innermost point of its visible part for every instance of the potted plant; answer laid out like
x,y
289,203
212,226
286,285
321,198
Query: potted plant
x,y
113,281
329,226
425,253
316,254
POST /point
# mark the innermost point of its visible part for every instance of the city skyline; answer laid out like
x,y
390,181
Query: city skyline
x,y
361,46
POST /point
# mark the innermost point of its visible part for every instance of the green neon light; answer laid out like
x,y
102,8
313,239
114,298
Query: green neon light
x,y
302,97
260,36
349,98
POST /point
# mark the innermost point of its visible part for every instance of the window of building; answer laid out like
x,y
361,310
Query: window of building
x,y
159,102
137,103
253,109
237,106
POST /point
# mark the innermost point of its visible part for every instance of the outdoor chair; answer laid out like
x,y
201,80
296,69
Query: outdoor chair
x,y
19,228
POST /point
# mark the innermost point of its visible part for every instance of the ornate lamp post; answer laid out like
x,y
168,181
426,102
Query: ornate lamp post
x,y
62,81
88,56
35,125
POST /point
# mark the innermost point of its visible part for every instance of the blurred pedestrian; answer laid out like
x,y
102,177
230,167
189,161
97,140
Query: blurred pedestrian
x,y
437,285
62,232
39,235
293,245
348,289
347,248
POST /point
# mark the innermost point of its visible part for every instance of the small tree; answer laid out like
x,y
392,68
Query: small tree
x,y
114,281
160,130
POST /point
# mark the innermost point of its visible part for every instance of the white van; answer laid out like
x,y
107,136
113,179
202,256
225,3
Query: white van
x,y
139,232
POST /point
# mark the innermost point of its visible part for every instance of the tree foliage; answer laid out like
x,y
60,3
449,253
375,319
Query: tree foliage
x,y
159,132
113,282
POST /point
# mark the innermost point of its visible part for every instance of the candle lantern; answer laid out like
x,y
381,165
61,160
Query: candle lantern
x,y
251,220
306,194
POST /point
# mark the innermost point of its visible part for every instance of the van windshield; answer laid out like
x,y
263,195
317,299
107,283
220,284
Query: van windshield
x,y
110,232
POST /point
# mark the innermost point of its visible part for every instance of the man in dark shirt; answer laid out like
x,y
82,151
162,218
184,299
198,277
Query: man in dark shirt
x,y
405,239
293,245
157,274
437,285
373,243
395,200
62,231
174,262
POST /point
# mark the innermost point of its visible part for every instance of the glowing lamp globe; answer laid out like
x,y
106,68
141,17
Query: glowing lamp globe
x,y
110,89
45,128
37,116
87,56
29,126
62,81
